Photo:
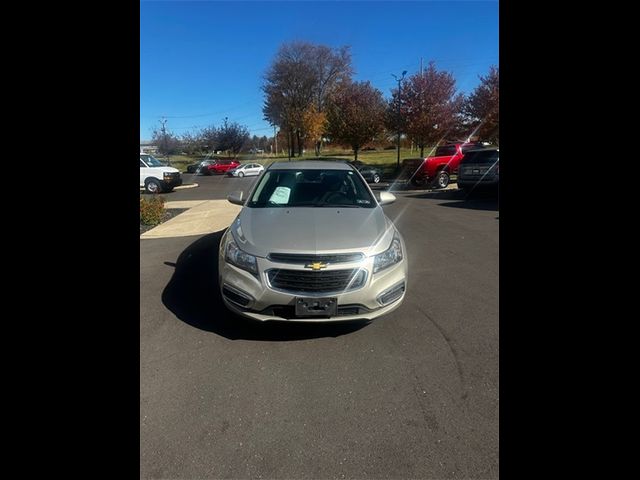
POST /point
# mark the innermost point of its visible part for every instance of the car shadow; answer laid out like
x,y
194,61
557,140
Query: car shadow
x,y
193,296
477,200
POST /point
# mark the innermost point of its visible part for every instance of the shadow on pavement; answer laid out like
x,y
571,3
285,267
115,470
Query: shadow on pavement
x,y
194,297
477,200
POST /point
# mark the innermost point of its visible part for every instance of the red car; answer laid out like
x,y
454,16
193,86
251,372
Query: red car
x,y
220,167
436,170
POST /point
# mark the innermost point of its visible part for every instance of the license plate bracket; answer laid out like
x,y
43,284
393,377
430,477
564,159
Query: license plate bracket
x,y
316,306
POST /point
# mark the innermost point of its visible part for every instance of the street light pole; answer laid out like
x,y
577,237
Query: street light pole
x,y
399,80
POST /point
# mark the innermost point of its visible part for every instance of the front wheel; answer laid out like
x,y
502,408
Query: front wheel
x,y
376,178
441,180
241,174
152,186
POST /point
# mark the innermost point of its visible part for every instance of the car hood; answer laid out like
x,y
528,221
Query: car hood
x,y
260,231
167,169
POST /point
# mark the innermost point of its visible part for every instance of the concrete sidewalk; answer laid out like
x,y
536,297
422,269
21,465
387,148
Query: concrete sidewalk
x,y
203,217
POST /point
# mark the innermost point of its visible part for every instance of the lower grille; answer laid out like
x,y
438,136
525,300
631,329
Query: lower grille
x,y
301,281
289,311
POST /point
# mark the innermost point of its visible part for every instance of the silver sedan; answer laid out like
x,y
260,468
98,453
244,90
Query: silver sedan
x,y
246,170
313,244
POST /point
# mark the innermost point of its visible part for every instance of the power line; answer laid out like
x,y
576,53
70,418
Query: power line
x,y
221,112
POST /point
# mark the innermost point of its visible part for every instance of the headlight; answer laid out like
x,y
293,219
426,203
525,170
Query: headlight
x,y
240,259
389,257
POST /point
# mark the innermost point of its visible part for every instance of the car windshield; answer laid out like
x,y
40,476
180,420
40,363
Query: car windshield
x,y
481,157
311,188
151,161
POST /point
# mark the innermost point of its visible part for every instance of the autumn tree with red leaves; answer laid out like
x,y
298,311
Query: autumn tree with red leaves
x,y
483,107
356,115
429,107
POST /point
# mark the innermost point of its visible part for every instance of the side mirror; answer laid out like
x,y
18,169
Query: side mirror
x,y
236,197
386,198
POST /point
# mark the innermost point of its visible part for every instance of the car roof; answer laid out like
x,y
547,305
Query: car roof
x,y
484,149
310,165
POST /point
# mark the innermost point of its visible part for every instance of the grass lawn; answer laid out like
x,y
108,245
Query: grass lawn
x,y
386,159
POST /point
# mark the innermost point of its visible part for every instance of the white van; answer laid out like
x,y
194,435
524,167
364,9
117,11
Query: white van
x,y
156,177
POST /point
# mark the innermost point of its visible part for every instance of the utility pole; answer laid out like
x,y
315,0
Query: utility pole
x,y
420,66
399,80
163,129
275,139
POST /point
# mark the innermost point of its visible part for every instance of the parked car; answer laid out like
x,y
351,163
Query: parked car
x,y
246,170
435,171
220,167
312,243
199,166
256,150
155,177
370,173
480,169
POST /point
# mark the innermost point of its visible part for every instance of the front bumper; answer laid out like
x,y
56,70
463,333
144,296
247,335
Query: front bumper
x,y
254,298
478,181
171,182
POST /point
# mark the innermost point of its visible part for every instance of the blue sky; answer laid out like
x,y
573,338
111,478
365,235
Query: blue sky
x,y
202,61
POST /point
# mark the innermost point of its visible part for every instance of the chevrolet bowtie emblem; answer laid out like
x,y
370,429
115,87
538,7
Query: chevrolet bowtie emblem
x,y
316,266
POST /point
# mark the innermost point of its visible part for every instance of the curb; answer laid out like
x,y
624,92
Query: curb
x,y
181,187
189,185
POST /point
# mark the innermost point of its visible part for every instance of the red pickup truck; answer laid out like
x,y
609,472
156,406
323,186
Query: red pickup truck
x,y
221,166
436,170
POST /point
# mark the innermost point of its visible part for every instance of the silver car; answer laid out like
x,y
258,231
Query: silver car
x,y
246,170
312,243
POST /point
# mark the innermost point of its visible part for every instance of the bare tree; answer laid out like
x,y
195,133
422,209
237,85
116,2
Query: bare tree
x,y
302,75
192,143
232,136
166,141
209,136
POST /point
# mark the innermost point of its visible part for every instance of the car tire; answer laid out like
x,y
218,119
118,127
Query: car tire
x,y
241,174
152,186
376,178
442,179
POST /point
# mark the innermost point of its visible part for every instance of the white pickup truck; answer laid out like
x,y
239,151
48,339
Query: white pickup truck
x,y
156,177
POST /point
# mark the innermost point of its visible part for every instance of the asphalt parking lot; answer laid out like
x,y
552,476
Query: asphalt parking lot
x,y
411,395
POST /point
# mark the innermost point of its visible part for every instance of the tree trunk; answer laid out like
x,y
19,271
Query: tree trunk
x,y
318,144
355,152
299,143
290,144
422,151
